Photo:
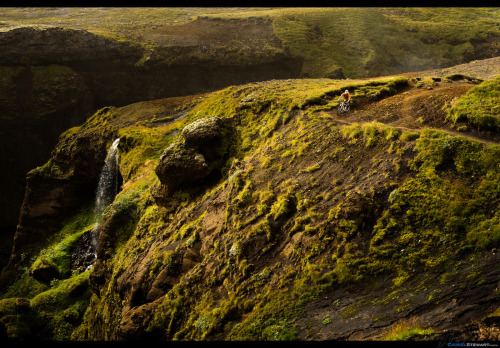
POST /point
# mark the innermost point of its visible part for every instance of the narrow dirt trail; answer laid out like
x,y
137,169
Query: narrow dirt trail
x,y
414,109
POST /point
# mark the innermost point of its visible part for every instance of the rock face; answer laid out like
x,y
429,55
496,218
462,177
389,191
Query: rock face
x,y
63,184
49,84
200,149
45,273
54,45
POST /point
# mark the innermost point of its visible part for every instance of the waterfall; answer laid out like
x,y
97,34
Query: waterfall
x,y
107,188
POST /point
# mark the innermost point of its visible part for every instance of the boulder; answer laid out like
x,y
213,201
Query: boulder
x,y
180,165
207,135
202,147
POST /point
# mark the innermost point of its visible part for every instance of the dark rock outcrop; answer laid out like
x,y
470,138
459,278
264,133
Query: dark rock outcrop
x,y
45,272
180,165
81,255
53,45
60,187
202,147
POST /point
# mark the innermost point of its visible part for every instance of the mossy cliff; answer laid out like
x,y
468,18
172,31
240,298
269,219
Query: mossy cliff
x,y
307,225
54,78
59,65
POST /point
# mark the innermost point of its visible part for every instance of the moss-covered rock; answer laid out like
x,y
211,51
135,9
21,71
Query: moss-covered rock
x,y
179,166
211,136
201,148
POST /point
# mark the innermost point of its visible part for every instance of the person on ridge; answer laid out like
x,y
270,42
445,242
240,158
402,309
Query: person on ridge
x,y
347,96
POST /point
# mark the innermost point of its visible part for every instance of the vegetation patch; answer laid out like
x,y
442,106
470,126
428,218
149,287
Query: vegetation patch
x,y
479,107
304,207
405,330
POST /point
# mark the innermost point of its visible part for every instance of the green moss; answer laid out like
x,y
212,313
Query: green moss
x,y
15,317
406,330
141,144
372,132
311,169
57,252
442,211
284,205
49,169
479,106
444,207
59,309
245,196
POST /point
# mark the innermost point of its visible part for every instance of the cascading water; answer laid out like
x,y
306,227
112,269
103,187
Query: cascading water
x,y
107,188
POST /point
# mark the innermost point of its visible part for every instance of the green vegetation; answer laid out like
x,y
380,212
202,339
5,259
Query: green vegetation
x,y
361,42
304,207
58,253
371,132
442,212
115,22
407,329
55,309
61,308
480,106
141,144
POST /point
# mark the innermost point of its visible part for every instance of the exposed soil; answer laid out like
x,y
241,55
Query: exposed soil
x,y
253,32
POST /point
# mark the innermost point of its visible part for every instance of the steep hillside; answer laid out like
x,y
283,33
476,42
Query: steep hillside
x,y
60,65
256,212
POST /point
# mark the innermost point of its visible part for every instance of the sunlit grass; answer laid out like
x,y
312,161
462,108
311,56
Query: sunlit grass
x,y
406,329
480,106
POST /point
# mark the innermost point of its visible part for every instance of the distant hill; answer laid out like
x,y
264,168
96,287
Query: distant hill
x,y
332,41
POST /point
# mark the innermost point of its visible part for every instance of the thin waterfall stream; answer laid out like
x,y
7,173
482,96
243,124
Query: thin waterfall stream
x,y
108,187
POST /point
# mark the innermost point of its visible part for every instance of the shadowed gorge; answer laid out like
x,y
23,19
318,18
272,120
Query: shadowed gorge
x,y
241,205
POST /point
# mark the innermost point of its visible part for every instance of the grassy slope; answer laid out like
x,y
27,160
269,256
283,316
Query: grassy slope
x,y
308,206
373,42
480,107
